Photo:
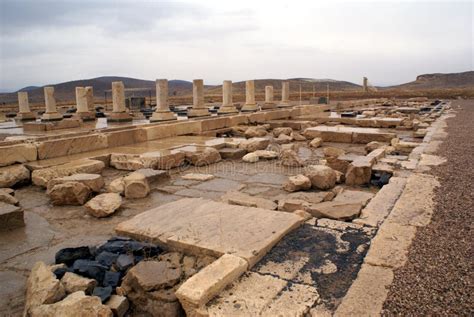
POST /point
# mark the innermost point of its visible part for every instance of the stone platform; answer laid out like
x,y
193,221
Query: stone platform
x,y
349,134
200,226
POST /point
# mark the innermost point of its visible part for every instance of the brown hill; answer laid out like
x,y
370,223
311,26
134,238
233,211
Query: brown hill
x,y
439,81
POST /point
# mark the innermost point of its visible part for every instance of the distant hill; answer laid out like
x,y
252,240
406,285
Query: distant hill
x,y
440,81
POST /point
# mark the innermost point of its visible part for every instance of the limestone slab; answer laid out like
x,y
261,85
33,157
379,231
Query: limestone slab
x,y
73,145
202,226
349,134
19,153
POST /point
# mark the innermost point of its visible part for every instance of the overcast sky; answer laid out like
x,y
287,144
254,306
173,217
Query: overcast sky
x,y
51,41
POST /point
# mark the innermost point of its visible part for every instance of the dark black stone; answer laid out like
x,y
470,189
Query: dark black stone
x,y
380,179
124,261
112,279
59,272
107,258
69,255
90,269
124,245
103,293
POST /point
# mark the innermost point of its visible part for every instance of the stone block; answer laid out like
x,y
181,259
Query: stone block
x,y
118,304
11,217
232,153
13,175
72,145
18,153
257,117
125,137
209,282
163,160
277,114
95,182
359,172
213,124
236,120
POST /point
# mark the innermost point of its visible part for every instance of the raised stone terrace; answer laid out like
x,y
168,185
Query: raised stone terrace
x,y
290,210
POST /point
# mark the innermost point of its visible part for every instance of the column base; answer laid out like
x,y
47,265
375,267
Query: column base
x,y
284,105
24,116
268,106
119,117
84,116
192,113
249,108
162,116
227,110
52,116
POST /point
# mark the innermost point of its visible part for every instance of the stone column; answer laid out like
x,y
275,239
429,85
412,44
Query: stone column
x,y
51,113
227,104
162,111
90,98
24,112
285,94
82,108
119,111
199,108
250,104
269,103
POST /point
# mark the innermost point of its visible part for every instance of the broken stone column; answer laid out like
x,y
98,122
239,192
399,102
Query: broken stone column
x,y
82,109
269,103
51,113
227,104
118,103
199,108
250,104
90,98
285,94
24,112
162,111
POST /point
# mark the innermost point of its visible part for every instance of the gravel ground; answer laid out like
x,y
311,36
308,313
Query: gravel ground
x,y
438,277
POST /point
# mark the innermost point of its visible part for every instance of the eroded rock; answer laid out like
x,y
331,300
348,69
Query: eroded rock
x,y
14,175
69,193
290,158
103,205
297,182
322,177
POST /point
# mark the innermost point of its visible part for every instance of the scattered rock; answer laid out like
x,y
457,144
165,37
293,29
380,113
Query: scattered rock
x,y
322,177
291,205
335,210
11,217
112,279
297,182
69,255
333,151
42,287
95,182
232,153
73,283
14,175
205,157
116,186
90,269
250,158
8,198
253,132
340,177
283,139
136,186
254,144
118,304
124,262
284,130
290,158
75,304
107,258
316,142
103,293
103,205
359,172
297,137
267,155
69,193
198,177
152,275
372,146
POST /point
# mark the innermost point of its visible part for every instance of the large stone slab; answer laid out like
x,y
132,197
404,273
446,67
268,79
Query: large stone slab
x,y
72,145
18,153
201,226
349,134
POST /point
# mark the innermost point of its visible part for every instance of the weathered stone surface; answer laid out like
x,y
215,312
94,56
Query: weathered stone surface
x,y
322,177
73,283
153,176
291,205
297,182
18,153
338,164
316,142
69,193
310,197
198,177
290,158
210,281
253,132
169,225
163,160
11,217
95,182
354,196
103,205
284,130
205,157
369,147
152,275
335,210
41,177
266,155
13,175
116,186
118,304
297,137
348,134
71,145
250,158
126,162
136,186
42,287
75,304
241,199
232,153
283,139
376,154
359,172
254,144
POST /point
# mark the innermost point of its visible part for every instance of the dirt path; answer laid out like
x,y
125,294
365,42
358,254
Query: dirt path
x,y
438,277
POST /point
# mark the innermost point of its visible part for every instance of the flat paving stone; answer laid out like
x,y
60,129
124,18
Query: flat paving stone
x,y
201,226
268,178
218,185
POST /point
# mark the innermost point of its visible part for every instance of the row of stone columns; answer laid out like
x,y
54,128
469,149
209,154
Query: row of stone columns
x,y
85,102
